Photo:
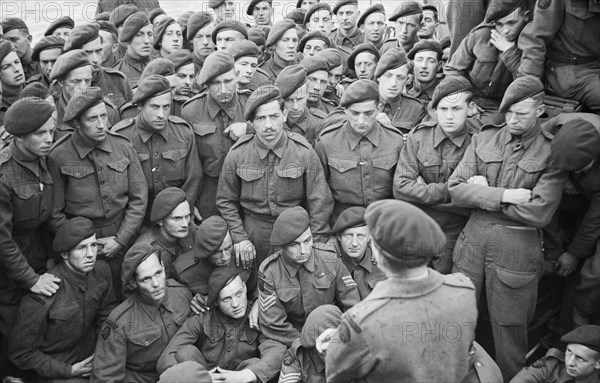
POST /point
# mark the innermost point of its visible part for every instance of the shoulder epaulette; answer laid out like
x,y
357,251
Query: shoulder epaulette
x,y
122,124
299,139
199,95
482,25
41,299
34,78
458,280
492,127
270,259
110,103
556,353
121,309
126,106
426,124
327,246
242,140
4,155
177,120
184,262
60,141
328,101
115,72
318,113
119,136
174,283
335,125
411,98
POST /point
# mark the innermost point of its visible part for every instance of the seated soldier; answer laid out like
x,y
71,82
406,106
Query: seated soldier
x,y
300,277
313,43
363,61
207,338
317,72
185,372
55,336
426,56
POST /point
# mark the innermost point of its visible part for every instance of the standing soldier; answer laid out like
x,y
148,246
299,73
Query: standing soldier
x,y
283,44
17,34
138,35
317,72
60,27
185,75
199,32
348,35
426,56
110,43
262,11
46,52
227,32
506,174
408,17
12,77
118,17
373,26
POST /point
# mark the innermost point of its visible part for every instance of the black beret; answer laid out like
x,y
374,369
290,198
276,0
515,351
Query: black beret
x,y
341,3
426,45
313,35
210,236
19,119
180,57
137,254
121,13
315,8
103,16
360,91
71,233
185,372
586,335
227,25
448,86
151,86
218,280
108,27
81,35
5,48
132,25
262,95
289,225
290,79
333,57
216,64
161,66
392,59
279,28
351,217
253,3
183,21
196,22
296,15
319,320
407,235
82,101
376,8
406,9
13,23
160,30
364,47
45,43
575,145
61,22
314,63
165,202
521,89
498,9
257,36
35,89
155,12
244,48
77,58
215,3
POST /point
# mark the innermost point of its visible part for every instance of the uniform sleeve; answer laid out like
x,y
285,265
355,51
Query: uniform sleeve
x,y
191,331
27,338
538,372
110,358
511,59
109,300
58,216
271,356
346,289
272,316
321,153
462,60
318,196
193,170
587,235
291,371
228,199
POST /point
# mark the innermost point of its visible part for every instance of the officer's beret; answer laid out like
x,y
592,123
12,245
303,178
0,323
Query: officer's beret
x,y
296,15
313,35
46,42
165,202
81,35
290,79
229,25
407,235
137,254
35,89
257,36
155,12
108,27
244,48
364,47
319,320
61,22
426,45
445,42
360,91
289,225
132,25
81,102
161,66
315,8
180,57
314,63
351,217
216,64
341,3
376,8
253,3
76,58
121,13
103,16
279,28
13,23
210,236
575,145
185,372
521,89
71,233
498,9
151,86
448,86
218,279
261,95
392,59
5,48
19,119
196,22
215,3
333,57
586,335
160,30
406,9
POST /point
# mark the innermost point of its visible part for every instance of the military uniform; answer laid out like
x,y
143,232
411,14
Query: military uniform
x,y
10,94
136,333
365,273
131,68
306,125
393,43
53,333
61,104
482,368
274,66
260,78
30,68
114,84
290,292
110,5
422,94
348,42
324,104
302,365
405,112
551,369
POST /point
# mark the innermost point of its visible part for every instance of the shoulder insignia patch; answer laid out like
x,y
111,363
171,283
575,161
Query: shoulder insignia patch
x,y
105,332
544,4
288,360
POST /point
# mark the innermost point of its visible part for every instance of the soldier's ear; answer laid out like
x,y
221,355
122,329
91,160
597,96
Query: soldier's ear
x,y
64,255
540,110
160,223
380,106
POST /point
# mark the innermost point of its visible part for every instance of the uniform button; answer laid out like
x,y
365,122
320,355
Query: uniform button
x,y
146,343
478,364
447,146
105,198
102,182
426,163
155,154
228,349
97,154
77,174
107,211
99,168
229,335
227,365
213,338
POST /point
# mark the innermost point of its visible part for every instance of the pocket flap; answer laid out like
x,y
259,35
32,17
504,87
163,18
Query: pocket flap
x,y
428,159
26,191
248,336
323,282
342,165
249,174
531,165
143,156
214,333
119,165
515,279
77,171
286,294
386,161
290,171
63,313
175,155
487,155
579,10
145,337
202,129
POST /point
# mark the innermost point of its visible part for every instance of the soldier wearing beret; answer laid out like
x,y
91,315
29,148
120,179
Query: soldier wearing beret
x,y
138,330
297,16
372,25
55,337
407,19
261,11
217,118
183,21
363,61
156,15
185,372
184,78
227,32
299,277
319,18
259,37
60,27
110,43
426,56
17,34
306,4
223,9
579,363
359,154
246,55
431,153
282,43
138,35
266,173
167,36
507,178
164,143
46,52
248,357
348,35
414,301
12,77
199,32
312,43
337,68
317,74
117,17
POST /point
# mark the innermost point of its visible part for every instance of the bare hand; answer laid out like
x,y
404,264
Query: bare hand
x,y
566,264
324,339
245,253
236,130
421,180
516,196
83,368
339,90
197,215
253,316
198,304
384,120
47,285
218,374
478,180
500,42
109,246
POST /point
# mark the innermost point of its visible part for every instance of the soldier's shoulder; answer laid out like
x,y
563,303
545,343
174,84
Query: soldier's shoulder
x,y
458,280
198,96
60,142
335,125
360,312
243,140
483,28
269,262
178,120
412,100
299,139
175,284
318,113
327,250
5,155
102,268
123,124
492,127
392,130
554,358
261,71
119,313
425,125
111,104
119,138
184,262
112,72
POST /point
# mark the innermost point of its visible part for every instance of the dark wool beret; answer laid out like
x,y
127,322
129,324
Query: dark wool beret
x,y
244,48
448,86
364,47
5,48
296,15
360,91
151,86
137,254
165,202
220,278
229,25
289,225
210,236
161,66
155,12
132,25
19,119
160,29
77,58
81,102
319,320
180,57
196,22
216,64
333,57
426,45
279,28
71,233
262,95
290,79
35,89
586,335
61,22
45,43
351,217
81,35
521,89
215,3
341,3
498,9
575,145
183,21
314,63
104,16
315,8
121,13
13,23
406,9
253,3
185,372
392,59
376,8
313,35
445,43
257,36
108,27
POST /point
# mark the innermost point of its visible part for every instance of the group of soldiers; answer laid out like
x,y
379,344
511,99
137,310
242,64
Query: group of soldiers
x,y
333,196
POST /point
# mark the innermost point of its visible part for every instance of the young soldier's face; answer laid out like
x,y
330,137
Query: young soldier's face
x,y
172,38
426,66
428,25
407,28
262,13
364,65
245,68
522,116
362,116
268,122
299,251
48,58
224,87
374,27
177,224
11,70
93,124
150,279
82,257
286,46
313,47
225,253
202,41
317,84
392,82
140,45
38,143
184,78
296,103
320,21
452,112
156,110
63,32
233,301
511,26
347,16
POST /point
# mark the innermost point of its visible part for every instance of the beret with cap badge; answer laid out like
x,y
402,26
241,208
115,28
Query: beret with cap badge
x,y
313,35
210,236
82,101
392,59
19,119
45,43
13,23
151,86
71,233
216,64
448,86
261,95
360,91
406,9
290,79
76,58
218,279
520,89
61,22
132,25
81,35
121,13
289,225
341,3
165,202
314,63
426,45
253,3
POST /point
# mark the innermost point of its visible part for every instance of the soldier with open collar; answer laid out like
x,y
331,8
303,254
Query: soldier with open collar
x,y
138,36
317,73
246,55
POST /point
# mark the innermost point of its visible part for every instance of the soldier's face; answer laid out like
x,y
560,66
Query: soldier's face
x,y
140,47
286,46
223,88
347,16
407,28
354,241
225,11
225,253
20,40
233,301
63,32
428,25
313,47
109,45
306,4
374,27
150,279
317,84
300,250
452,112
364,65
11,70
245,68
296,103
581,361
522,116
184,78
392,82
172,38
268,122
38,143
426,66
78,78
334,77
48,59
445,56
322,21
156,110
93,124
262,13
225,39
202,41
93,49
362,116
82,257
177,224
511,26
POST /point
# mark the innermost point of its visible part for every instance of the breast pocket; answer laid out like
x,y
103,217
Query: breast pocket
x,y
173,171
489,165
25,205
248,336
64,322
290,183
81,184
214,333
143,345
119,176
287,293
429,166
254,185
486,58
324,288
383,171
529,172
206,138
344,174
